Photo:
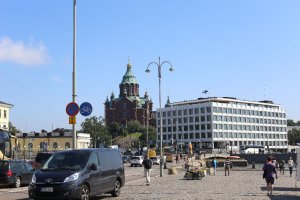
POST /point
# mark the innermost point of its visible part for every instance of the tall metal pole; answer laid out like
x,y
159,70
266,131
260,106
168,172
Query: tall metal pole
x,y
147,139
160,118
159,65
74,71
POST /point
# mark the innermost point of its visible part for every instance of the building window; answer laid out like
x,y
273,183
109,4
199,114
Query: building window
x,y
203,118
4,113
67,145
209,135
54,146
185,112
179,112
191,135
203,135
190,111
197,136
169,113
174,113
191,119
191,127
208,118
185,128
208,109
202,110
196,110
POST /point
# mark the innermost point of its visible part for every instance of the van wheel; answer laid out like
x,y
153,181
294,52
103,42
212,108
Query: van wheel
x,y
85,193
17,182
117,188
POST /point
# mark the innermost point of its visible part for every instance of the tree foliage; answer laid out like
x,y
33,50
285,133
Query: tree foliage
x,y
95,126
12,129
151,135
133,126
293,136
114,129
291,122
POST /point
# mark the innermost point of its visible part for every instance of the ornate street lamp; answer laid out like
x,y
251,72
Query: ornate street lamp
x,y
159,65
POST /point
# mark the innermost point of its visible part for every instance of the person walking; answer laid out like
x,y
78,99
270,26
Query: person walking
x,y
177,158
269,172
147,163
281,166
227,166
214,165
291,165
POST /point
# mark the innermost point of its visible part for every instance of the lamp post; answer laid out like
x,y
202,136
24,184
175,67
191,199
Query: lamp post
x,y
159,65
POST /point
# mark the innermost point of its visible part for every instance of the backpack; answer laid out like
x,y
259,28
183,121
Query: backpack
x,y
147,164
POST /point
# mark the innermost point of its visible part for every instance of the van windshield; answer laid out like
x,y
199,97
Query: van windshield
x,y
68,160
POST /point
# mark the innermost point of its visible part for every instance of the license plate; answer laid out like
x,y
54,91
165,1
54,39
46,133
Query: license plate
x,y
47,189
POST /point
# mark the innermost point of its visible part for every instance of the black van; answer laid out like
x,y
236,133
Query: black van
x,y
81,173
15,172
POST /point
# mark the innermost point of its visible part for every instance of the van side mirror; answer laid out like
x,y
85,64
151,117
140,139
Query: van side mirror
x,y
93,167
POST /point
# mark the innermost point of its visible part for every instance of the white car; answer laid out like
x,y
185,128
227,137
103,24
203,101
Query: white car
x,y
136,161
155,160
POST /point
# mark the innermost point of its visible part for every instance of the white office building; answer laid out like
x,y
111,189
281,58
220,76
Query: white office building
x,y
224,122
4,115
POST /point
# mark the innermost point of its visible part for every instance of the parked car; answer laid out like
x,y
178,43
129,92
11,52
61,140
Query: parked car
x,y
136,161
126,158
155,160
15,172
40,159
81,173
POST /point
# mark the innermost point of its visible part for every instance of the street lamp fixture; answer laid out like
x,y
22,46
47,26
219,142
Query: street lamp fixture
x,y
159,65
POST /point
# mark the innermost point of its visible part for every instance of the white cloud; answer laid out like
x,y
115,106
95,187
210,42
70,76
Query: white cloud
x,y
57,79
18,52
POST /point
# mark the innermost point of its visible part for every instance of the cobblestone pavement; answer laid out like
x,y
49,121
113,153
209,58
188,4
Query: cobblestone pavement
x,y
241,184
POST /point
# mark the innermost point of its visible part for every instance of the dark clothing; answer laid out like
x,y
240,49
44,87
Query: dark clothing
x,y
269,171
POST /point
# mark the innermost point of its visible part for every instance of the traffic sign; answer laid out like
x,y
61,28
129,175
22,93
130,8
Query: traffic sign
x,y
72,109
86,109
72,120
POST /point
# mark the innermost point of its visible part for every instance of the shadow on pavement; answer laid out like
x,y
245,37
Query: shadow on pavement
x,y
284,197
288,189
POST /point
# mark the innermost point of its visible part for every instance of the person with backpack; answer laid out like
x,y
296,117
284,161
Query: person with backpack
x,y
147,163
227,166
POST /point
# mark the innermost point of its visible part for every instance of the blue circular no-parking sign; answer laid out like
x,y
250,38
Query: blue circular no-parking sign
x,y
72,109
86,109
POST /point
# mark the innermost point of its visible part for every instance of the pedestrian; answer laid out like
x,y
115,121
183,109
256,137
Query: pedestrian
x,y
177,158
227,166
269,172
274,162
147,163
282,167
214,165
291,165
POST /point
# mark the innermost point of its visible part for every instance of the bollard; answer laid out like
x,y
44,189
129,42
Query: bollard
x,y
253,165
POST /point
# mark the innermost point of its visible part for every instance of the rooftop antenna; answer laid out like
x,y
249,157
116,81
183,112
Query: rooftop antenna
x,y
264,85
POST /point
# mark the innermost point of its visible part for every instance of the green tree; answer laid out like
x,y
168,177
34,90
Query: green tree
x,y
151,135
290,122
12,129
114,129
95,126
133,126
293,136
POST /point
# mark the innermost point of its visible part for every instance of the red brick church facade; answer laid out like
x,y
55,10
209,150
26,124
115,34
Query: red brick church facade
x,y
129,106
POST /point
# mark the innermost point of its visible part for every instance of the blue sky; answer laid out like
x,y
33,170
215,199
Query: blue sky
x,y
244,49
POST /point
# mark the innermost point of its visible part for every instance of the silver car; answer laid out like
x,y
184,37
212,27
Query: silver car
x,y
136,161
